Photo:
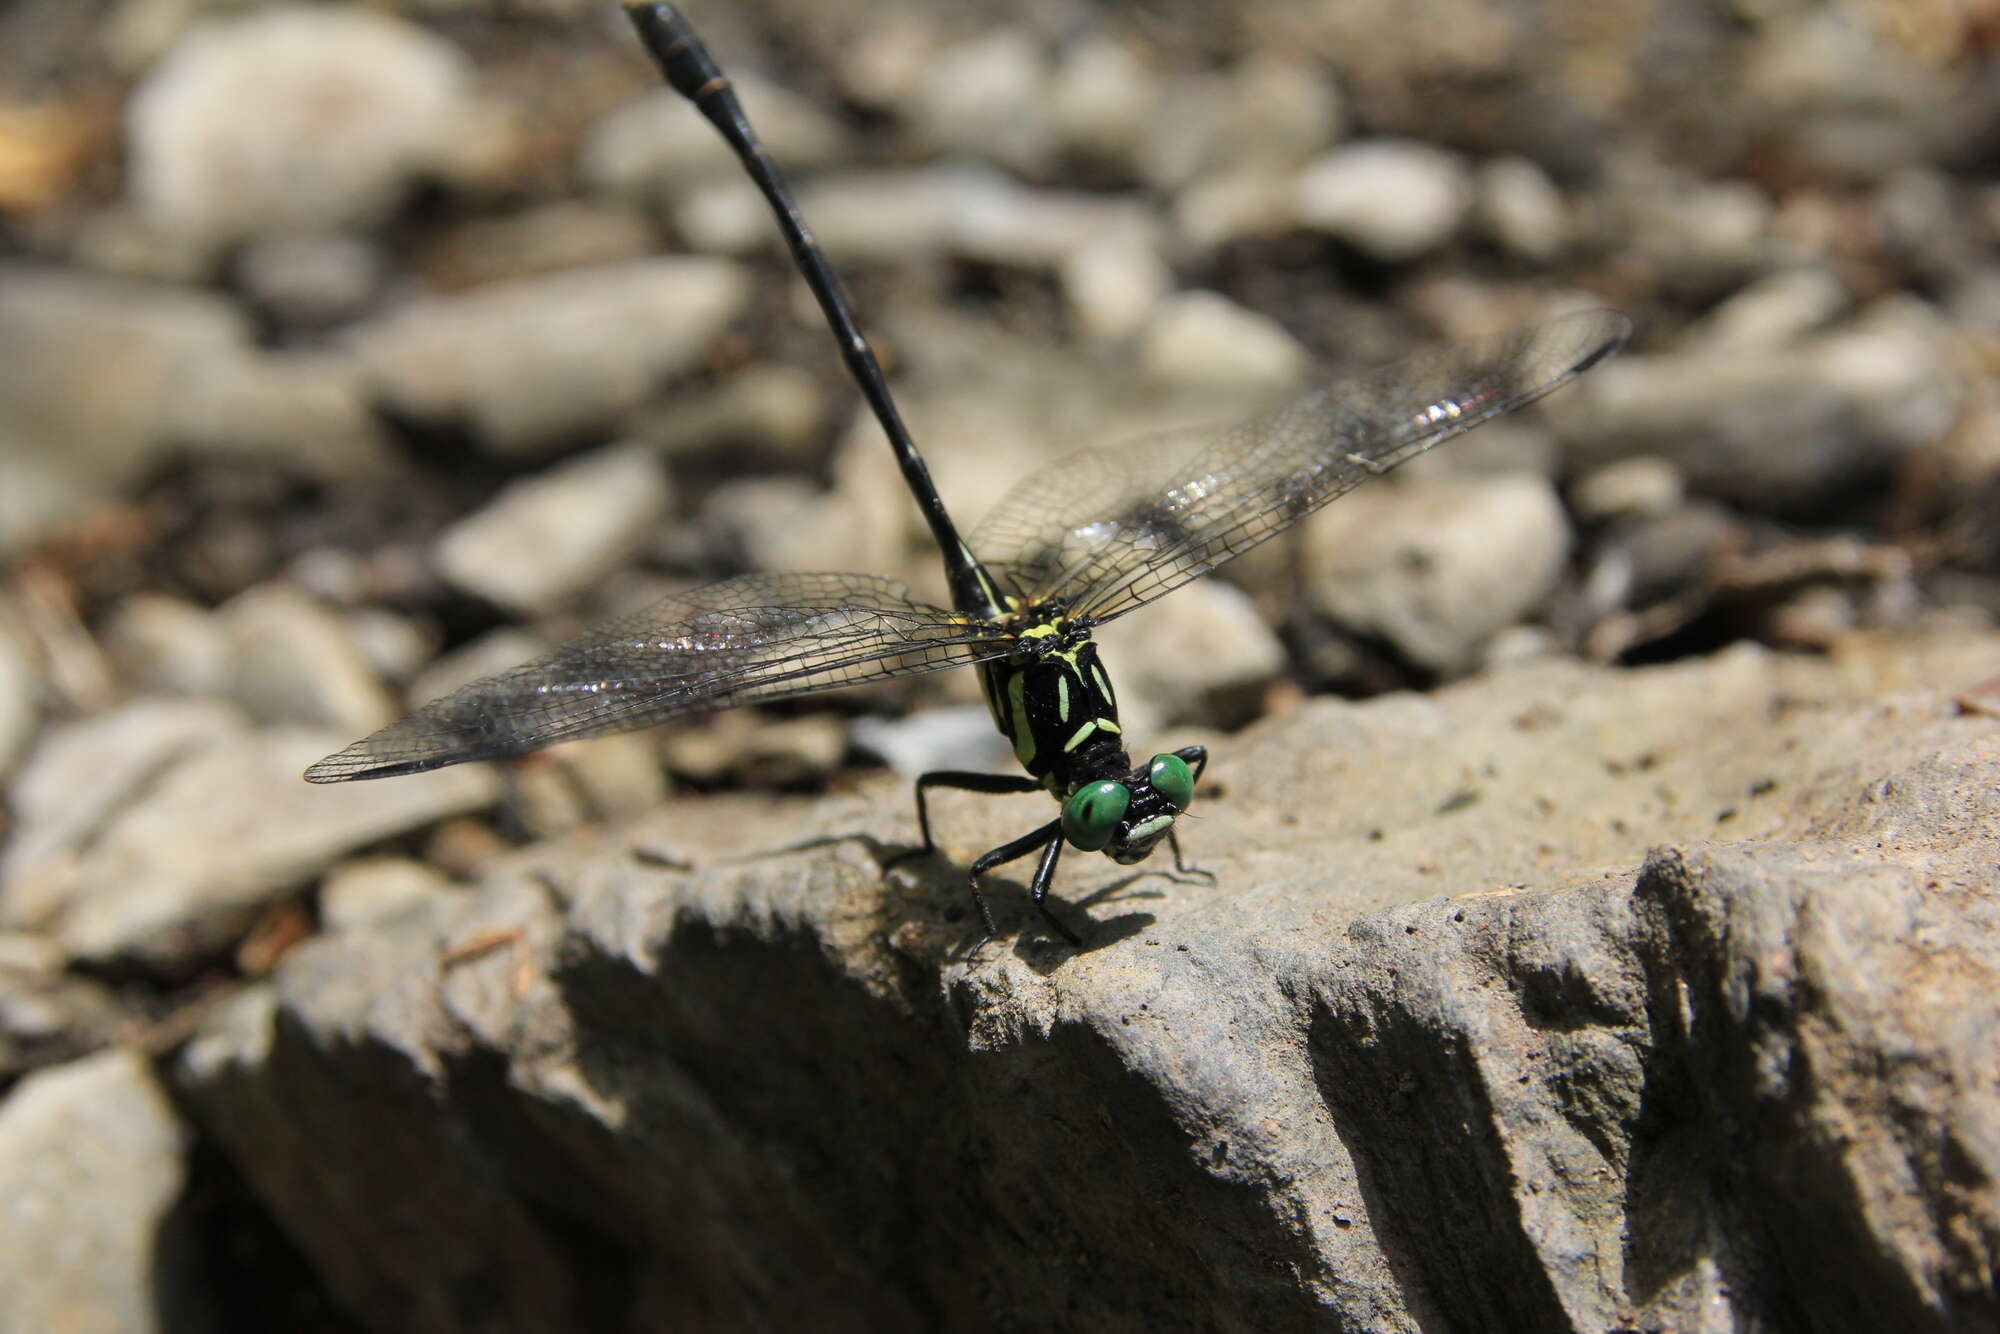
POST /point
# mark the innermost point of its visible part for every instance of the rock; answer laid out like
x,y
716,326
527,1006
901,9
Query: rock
x,y
93,366
163,645
91,1167
294,118
311,279
1114,284
1521,208
1248,202
1440,989
1205,338
549,537
746,749
1392,199
956,736
960,209
307,413
378,890
989,96
1101,99
293,661
201,821
1637,487
548,238
767,414
1772,312
1437,565
49,1016
1850,405
20,698
1203,655
534,363
76,781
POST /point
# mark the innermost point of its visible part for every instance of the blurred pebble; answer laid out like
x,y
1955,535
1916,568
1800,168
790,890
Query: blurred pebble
x,y
1815,618
1642,486
1203,655
92,366
566,234
957,736
782,523
1247,201
1771,312
375,890
163,645
290,118
27,957
310,278
1437,566
655,147
394,646
76,780
989,96
180,867
767,414
1205,338
1649,558
1697,238
1520,207
1102,99
551,536
532,363
307,412
293,661
963,209
92,1167
1777,431
618,775
1393,199
1114,283
746,749
20,698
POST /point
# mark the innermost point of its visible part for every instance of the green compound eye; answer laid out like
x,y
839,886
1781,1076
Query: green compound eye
x,y
1093,812
1170,778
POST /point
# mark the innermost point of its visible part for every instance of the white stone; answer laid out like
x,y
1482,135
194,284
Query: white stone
x,y
293,661
91,1165
1437,565
1205,338
378,889
1114,284
291,118
531,363
1393,199
1521,208
550,537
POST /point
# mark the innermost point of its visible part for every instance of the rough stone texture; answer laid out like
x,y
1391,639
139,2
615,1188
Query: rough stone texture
x,y
90,1164
1443,1047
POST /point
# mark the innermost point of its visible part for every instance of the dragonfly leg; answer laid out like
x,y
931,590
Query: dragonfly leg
x,y
966,782
1195,757
1180,865
1049,838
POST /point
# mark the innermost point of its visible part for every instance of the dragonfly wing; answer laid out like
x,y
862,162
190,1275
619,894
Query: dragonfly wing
x,y
757,637
1105,531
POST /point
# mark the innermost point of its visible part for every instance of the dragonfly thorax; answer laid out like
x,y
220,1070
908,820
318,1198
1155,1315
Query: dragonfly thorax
x,y
1053,702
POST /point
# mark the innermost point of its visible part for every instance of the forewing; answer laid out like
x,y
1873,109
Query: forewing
x,y
1105,531
759,637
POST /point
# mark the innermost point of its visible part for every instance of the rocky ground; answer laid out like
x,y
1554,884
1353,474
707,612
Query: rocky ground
x,y
1599,929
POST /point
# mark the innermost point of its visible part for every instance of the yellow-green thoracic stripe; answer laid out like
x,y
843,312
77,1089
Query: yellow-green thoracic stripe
x,y
1052,701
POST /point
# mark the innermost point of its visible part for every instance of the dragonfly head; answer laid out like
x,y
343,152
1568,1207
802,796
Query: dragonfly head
x,y
1125,818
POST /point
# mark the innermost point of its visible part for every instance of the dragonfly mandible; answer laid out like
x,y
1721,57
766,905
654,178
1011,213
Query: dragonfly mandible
x,y
1078,543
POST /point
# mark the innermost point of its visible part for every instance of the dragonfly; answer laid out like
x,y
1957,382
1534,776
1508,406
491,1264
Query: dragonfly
x,y
1079,543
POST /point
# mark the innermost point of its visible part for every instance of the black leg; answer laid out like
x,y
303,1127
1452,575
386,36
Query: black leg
x,y
966,782
1195,757
1174,842
1049,838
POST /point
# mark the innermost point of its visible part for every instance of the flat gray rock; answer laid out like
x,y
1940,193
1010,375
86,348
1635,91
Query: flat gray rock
x,y
1564,999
